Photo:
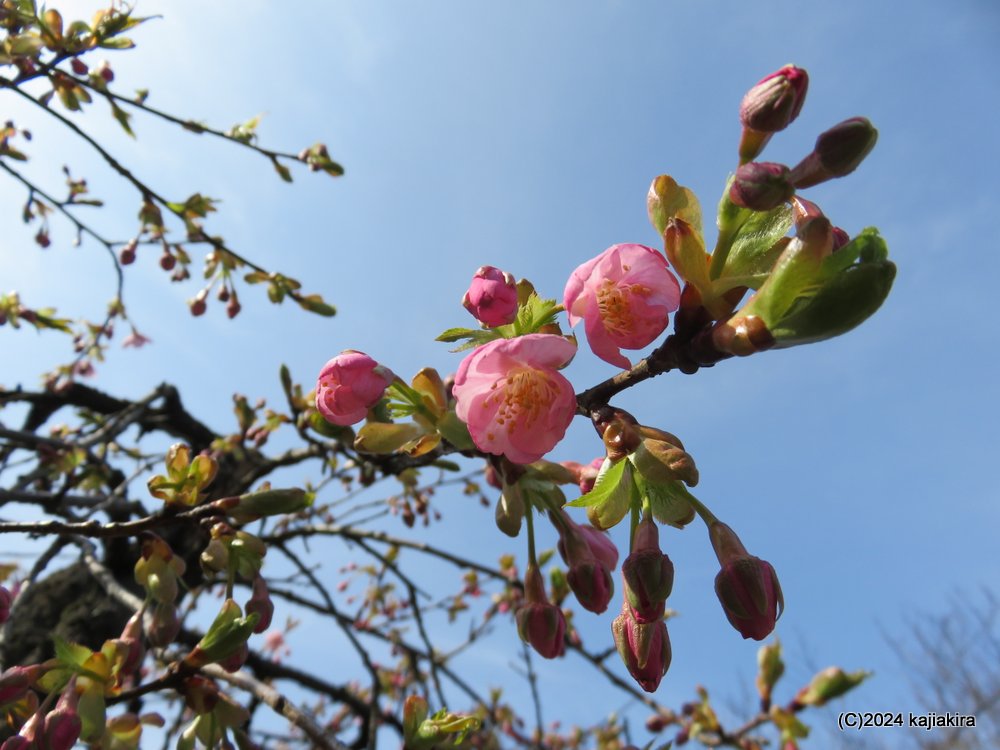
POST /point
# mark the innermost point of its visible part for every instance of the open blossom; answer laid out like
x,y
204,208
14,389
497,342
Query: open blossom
x,y
624,297
511,397
492,297
350,384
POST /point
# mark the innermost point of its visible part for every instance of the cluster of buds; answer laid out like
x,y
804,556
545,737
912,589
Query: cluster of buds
x,y
186,479
763,186
424,732
640,632
158,570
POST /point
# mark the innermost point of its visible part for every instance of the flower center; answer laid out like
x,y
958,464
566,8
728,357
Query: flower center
x,y
615,304
526,393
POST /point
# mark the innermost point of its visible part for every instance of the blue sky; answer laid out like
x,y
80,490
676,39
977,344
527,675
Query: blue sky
x,y
525,136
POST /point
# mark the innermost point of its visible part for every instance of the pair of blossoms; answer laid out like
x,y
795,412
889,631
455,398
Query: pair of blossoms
x,y
509,392
517,406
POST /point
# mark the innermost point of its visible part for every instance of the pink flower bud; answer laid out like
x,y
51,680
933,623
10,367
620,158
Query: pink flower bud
x,y
647,575
79,66
592,584
511,397
775,101
164,626
769,107
260,602
492,297
349,385
747,586
132,638
838,152
624,296
14,682
63,723
539,622
644,648
761,186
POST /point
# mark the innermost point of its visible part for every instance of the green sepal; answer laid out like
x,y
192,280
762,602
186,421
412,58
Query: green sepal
x,y
669,501
666,199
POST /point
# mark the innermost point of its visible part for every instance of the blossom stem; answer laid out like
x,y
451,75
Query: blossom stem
x,y
706,515
633,525
530,520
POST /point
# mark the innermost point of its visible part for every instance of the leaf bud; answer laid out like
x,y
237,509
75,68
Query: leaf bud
x,y
828,684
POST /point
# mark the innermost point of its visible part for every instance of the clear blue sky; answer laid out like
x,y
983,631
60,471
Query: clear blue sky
x,y
525,136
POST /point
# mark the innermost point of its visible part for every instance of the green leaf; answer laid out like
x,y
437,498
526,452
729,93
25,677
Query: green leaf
x,y
607,483
386,437
533,314
123,118
24,45
755,245
327,429
70,654
476,337
668,501
667,199
120,42
284,172
455,431
314,303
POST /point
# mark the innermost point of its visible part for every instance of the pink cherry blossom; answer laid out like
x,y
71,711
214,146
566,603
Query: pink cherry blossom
x,y
624,296
511,397
350,384
492,297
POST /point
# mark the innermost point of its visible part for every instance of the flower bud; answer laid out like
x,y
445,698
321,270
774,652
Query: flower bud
x,y
828,684
131,637
349,385
164,626
200,694
15,682
761,186
510,510
747,586
592,584
775,101
643,647
63,724
492,297
260,602
838,152
539,622
647,574
769,107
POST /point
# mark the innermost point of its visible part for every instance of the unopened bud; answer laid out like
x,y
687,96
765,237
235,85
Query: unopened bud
x,y
761,186
838,152
769,107
260,603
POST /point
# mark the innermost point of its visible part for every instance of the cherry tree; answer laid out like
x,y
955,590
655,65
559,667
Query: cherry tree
x,y
167,517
